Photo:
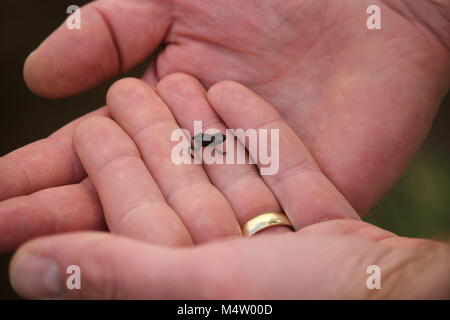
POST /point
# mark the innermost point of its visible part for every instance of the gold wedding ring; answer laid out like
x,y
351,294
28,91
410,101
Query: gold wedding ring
x,y
264,221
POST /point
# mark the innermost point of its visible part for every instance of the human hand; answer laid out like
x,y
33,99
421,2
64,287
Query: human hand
x,y
323,261
285,265
344,90
159,201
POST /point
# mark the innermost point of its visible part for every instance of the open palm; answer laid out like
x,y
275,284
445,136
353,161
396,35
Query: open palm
x,y
157,204
361,100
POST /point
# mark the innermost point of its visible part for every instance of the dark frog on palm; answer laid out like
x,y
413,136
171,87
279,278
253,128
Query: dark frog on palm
x,y
207,140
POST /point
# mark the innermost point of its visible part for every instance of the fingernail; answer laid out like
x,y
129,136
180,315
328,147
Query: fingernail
x,y
36,277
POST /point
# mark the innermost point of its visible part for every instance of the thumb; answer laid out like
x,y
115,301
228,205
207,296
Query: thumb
x,y
113,37
288,266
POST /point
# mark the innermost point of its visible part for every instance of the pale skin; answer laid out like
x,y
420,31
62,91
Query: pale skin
x,y
152,205
344,90
361,100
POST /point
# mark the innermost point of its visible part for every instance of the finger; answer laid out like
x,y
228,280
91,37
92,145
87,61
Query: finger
x,y
43,164
240,183
132,201
72,60
54,210
186,188
285,266
117,268
305,193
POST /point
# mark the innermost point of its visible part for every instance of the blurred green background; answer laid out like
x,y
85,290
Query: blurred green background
x,y
418,205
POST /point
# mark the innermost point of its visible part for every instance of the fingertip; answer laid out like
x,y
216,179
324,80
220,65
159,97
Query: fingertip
x,y
32,274
33,74
123,87
233,100
36,269
92,131
224,88
125,92
58,68
69,61
111,38
183,93
177,81
86,126
134,105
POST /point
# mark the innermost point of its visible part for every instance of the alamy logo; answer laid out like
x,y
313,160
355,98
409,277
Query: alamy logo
x,y
374,20
214,147
74,280
374,280
74,20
